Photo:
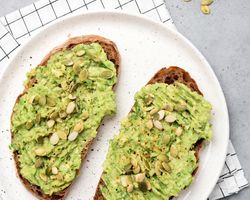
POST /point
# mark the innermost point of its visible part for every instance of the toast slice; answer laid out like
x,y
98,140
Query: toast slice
x,y
112,53
169,76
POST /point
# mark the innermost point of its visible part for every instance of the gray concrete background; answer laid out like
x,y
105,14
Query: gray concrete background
x,y
224,39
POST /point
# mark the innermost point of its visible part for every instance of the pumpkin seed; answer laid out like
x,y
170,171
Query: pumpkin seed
x,y
80,52
59,120
42,100
84,115
54,170
38,118
158,124
76,68
205,9
32,99
62,134
78,127
162,157
54,115
72,87
51,101
173,151
170,118
40,151
107,74
64,85
166,166
155,116
50,123
83,75
54,139
68,62
70,107
166,139
136,169
71,97
43,177
39,163
168,107
149,124
179,131
59,176
29,125
72,136
130,188
148,99
158,167
139,177
153,111
62,114
149,108
180,107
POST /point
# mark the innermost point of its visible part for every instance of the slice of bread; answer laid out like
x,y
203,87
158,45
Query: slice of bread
x,y
168,76
111,50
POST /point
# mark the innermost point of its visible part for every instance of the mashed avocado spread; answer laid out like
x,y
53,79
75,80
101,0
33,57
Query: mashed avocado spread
x,y
153,157
57,117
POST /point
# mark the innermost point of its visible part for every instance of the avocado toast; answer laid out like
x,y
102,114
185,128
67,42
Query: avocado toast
x,y
57,116
155,155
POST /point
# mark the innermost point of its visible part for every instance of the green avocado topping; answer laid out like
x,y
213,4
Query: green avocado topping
x,y
57,117
153,157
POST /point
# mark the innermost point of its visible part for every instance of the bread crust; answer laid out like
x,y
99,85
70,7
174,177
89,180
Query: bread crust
x,y
167,75
113,55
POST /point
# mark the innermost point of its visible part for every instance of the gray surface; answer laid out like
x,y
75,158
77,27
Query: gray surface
x,y
224,38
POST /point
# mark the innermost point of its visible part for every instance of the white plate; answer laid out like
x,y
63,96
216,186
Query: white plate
x,y
145,47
